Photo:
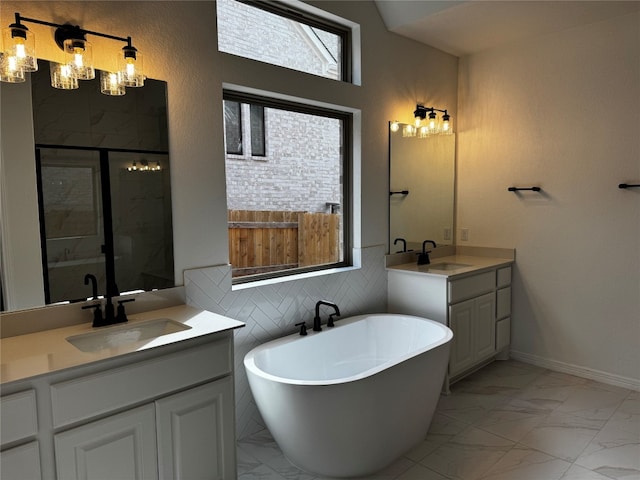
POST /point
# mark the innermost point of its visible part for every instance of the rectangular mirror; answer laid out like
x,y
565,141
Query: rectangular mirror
x,y
101,188
421,190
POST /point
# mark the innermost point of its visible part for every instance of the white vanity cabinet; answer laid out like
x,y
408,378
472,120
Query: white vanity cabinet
x,y
166,413
475,304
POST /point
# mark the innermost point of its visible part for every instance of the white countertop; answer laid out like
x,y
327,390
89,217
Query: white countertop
x,y
472,264
26,356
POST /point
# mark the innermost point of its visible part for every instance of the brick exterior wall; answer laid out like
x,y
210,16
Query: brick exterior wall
x,y
302,168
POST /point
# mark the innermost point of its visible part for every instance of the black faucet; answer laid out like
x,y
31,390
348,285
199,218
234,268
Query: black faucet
x,y
316,320
423,258
404,244
111,316
94,285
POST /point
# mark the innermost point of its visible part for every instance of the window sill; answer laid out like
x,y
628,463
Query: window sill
x,y
289,278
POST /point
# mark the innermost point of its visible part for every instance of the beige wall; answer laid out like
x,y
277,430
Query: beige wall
x,y
562,112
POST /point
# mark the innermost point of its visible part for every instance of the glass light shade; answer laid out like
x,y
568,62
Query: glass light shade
x,y
78,55
446,128
63,76
395,126
432,123
10,71
409,131
130,65
20,44
423,132
111,83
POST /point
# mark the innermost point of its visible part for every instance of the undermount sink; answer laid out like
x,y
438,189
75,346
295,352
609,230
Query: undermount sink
x,y
122,335
447,266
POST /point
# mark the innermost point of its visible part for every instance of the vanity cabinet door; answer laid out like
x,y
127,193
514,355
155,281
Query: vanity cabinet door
x,y
122,446
485,326
461,323
196,433
473,325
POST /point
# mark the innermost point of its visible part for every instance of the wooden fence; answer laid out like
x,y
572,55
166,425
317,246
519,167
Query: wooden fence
x,y
264,241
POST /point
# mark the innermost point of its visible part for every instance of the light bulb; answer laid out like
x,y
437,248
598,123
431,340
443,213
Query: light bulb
x,y
395,126
19,48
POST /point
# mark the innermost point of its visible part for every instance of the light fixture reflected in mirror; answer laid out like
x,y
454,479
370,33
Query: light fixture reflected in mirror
x,y
63,76
111,83
144,166
9,71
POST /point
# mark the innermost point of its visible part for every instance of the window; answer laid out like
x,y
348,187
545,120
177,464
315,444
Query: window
x,y
272,33
235,129
290,212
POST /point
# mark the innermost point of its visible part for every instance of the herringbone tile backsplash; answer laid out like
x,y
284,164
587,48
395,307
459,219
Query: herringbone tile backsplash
x,y
271,311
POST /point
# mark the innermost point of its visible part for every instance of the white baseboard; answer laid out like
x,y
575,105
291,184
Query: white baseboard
x,y
578,371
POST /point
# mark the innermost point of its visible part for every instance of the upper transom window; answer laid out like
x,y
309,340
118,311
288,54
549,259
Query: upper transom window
x,y
272,33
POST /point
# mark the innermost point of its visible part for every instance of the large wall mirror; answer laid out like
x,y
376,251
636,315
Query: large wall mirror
x,y
421,187
102,194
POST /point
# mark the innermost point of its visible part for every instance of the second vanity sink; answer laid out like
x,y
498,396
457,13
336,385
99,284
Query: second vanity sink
x,y
447,266
121,335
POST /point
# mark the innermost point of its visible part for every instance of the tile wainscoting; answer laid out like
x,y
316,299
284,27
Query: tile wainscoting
x,y
271,311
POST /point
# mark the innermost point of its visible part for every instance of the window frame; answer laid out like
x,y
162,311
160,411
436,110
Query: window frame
x,y
346,116
343,31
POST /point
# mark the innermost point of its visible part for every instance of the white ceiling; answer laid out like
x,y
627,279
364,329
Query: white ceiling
x,y
466,27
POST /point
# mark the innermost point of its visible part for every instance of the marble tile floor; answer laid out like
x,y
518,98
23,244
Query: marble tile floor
x,y
508,421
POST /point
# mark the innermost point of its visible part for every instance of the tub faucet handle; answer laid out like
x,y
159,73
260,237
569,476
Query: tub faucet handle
x,y
330,321
303,328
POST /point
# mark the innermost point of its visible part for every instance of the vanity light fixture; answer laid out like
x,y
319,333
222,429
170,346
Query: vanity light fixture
x,y
433,125
18,57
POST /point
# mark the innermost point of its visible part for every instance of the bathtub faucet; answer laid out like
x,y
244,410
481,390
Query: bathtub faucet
x,y
316,320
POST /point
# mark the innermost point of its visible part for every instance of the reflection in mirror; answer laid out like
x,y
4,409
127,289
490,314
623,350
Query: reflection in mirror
x,y
421,177
103,193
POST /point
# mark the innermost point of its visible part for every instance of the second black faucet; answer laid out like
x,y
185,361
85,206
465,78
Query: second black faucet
x,y
317,322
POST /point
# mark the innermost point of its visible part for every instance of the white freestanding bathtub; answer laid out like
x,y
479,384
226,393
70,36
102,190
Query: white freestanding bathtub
x,y
349,400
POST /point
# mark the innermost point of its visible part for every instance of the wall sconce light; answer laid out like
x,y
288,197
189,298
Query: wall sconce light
x,y
18,57
432,125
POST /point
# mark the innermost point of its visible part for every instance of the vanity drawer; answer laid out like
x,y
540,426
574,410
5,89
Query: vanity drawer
x,y
473,286
104,392
18,416
504,277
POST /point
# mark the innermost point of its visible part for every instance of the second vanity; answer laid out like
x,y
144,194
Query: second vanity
x,y
160,407
469,290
